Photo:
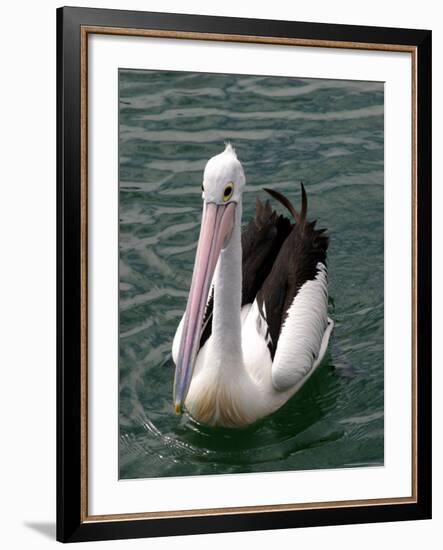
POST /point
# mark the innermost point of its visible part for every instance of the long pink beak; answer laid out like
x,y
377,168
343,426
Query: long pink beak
x,y
216,229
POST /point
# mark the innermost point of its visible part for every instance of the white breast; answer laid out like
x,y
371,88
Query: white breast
x,y
232,394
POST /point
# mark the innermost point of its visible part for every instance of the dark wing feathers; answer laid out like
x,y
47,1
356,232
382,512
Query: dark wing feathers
x,y
295,264
278,258
261,242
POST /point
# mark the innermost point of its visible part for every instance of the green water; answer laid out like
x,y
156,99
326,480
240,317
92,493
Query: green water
x,y
328,134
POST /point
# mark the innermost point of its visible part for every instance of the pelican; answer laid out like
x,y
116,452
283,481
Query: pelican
x,y
256,325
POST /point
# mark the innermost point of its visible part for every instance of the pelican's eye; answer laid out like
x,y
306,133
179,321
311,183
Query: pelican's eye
x,y
229,190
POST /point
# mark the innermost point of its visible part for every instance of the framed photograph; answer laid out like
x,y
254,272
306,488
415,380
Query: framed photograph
x,y
244,274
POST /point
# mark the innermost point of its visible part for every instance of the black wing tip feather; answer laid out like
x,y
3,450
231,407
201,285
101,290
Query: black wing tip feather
x,y
285,202
304,203
319,240
299,217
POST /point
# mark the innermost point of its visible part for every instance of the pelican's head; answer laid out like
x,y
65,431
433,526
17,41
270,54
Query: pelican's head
x,y
223,178
222,187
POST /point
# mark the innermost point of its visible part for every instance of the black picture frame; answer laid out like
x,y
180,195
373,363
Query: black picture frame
x,y
72,525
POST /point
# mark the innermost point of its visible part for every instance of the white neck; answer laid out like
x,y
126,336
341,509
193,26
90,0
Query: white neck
x,y
226,321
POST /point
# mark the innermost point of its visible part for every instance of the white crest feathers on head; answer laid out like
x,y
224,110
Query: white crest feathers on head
x,y
229,148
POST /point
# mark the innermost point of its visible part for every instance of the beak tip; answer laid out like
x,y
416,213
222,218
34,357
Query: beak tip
x,y
178,408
